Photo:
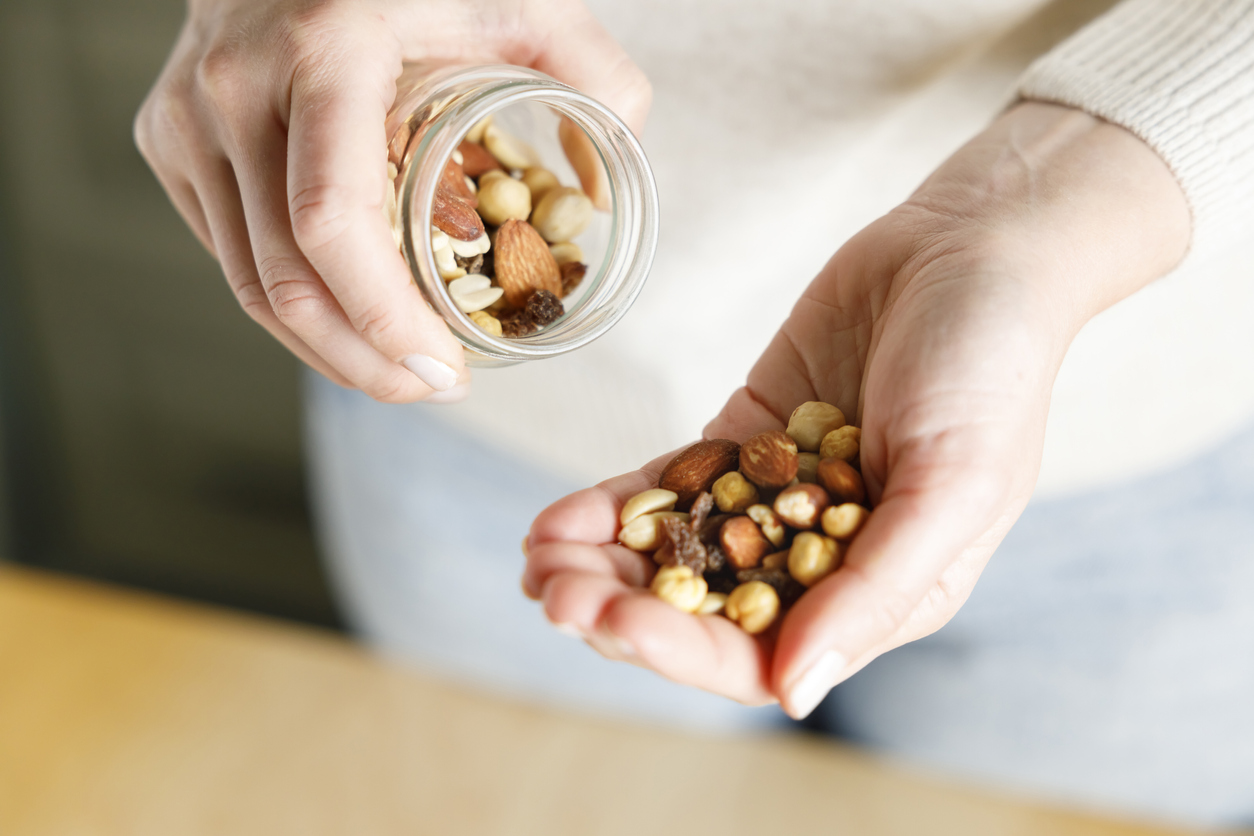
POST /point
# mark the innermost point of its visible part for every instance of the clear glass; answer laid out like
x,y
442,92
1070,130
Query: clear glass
x,y
436,107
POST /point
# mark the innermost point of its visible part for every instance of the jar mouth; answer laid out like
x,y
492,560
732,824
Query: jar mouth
x,y
633,227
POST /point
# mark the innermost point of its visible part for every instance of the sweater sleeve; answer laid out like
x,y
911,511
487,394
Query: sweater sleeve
x,y
1180,75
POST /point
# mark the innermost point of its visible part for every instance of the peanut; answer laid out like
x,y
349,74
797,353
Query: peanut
x,y
753,605
647,502
679,587
645,533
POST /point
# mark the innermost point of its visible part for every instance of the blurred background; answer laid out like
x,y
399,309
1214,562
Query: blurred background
x,y
149,431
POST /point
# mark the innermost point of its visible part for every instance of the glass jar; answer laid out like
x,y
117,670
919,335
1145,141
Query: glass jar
x,y
435,108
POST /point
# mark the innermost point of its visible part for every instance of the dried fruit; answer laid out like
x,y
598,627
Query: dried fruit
x,y
572,274
544,308
645,533
743,543
697,468
801,505
769,459
811,421
841,480
699,514
686,546
524,263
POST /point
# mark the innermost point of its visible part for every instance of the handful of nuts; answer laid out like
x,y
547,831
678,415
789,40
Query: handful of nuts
x,y
503,229
742,530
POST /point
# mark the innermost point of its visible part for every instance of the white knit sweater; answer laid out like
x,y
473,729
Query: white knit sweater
x,y
779,129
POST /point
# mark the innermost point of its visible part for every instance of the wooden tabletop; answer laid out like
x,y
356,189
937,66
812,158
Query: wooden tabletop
x,y
122,713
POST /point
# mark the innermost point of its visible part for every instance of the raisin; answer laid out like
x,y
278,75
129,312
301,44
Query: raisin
x,y
711,527
572,274
721,580
788,588
517,324
543,307
700,511
470,265
715,559
687,546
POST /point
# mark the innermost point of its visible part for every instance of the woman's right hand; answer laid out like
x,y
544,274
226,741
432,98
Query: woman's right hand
x,y
266,128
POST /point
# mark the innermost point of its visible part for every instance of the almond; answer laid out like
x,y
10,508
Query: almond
x,y
524,263
476,160
455,217
399,144
743,543
697,468
454,179
769,459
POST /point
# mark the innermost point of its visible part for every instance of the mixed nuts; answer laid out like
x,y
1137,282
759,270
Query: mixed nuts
x,y
502,231
742,530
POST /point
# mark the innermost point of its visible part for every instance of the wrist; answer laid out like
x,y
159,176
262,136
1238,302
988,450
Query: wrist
x,y
1077,206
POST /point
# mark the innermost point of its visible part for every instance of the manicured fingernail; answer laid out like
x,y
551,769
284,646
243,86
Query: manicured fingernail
x,y
566,628
457,394
431,371
526,553
616,646
814,685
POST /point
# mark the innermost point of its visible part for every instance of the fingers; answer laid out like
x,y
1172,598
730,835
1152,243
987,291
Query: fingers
x,y
549,559
936,504
336,176
578,51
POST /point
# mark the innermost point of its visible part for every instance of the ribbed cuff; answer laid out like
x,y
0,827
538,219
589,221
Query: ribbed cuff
x,y
1180,75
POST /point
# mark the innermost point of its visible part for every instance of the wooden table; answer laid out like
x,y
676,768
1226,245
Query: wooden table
x,y
121,713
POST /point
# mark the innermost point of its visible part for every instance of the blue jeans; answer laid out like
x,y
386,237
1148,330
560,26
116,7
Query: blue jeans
x,y
1106,656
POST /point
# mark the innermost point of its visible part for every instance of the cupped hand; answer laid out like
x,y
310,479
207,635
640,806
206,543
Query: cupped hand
x,y
266,128
939,329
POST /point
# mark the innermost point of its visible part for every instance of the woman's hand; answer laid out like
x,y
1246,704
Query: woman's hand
x,y
941,327
266,130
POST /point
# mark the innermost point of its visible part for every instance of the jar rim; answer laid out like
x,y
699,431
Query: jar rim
x,y
633,208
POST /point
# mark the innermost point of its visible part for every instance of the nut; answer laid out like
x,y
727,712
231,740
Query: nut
x,y
801,505
524,263
753,605
743,543
843,443
567,252
502,199
734,493
455,216
647,502
775,562
712,604
679,587
399,143
697,468
476,161
586,161
813,557
843,521
475,134
486,322
646,533
508,149
841,480
811,421
539,180
562,214
769,459
473,292
470,249
446,262
807,467
770,523
454,179
491,175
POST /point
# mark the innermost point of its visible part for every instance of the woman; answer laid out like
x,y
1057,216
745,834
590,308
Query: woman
x,y
1082,665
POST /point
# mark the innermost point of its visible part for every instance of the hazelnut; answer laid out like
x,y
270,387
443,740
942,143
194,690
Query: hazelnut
x,y
647,502
808,467
775,562
841,480
567,252
743,543
812,558
696,469
509,150
712,604
539,180
769,459
844,444
679,587
734,493
562,214
843,521
486,322
770,523
503,199
811,421
801,505
753,605
475,134
645,533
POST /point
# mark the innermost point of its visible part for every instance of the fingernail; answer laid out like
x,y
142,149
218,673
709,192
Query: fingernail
x,y
526,553
814,685
457,394
614,646
431,371
568,629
